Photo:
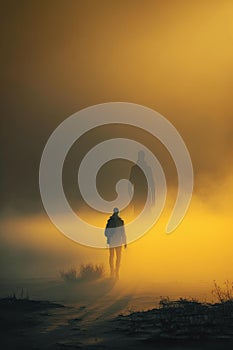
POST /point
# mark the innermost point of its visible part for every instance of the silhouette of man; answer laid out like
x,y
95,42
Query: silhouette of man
x,y
142,189
116,237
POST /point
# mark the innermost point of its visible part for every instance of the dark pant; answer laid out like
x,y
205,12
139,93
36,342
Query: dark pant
x,y
117,251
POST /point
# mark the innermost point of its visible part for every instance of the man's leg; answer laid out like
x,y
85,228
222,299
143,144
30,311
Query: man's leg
x,y
111,262
118,260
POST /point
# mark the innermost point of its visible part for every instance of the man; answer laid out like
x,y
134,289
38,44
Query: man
x,y
116,237
142,188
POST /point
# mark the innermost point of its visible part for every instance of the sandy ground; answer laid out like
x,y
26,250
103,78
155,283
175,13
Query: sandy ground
x,y
87,320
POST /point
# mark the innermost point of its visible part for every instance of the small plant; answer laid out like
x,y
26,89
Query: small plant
x,y
224,293
86,272
90,271
164,302
69,275
20,294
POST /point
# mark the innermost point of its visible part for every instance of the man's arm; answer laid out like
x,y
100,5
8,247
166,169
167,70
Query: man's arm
x,y
123,235
107,232
131,180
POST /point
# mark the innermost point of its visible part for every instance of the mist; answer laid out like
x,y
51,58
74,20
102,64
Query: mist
x,y
186,261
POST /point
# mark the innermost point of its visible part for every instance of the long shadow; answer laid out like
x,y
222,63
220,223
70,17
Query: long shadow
x,y
116,307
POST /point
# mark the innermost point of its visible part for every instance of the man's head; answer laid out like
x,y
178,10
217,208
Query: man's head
x,y
116,211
